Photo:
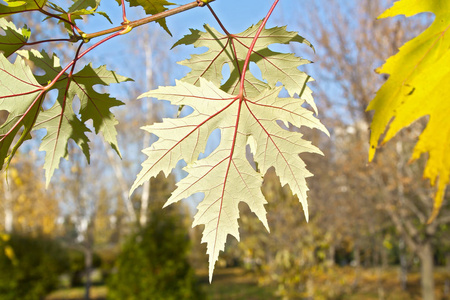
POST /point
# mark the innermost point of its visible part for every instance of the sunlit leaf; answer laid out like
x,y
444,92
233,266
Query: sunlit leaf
x,y
418,86
61,124
78,9
60,121
226,177
18,6
222,49
14,38
152,7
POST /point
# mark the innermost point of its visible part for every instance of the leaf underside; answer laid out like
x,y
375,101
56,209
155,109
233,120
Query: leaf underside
x,y
232,50
257,118
418,86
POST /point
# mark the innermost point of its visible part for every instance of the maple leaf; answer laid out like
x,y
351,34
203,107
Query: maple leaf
x,y
14,38
232,49
61,124
19,6
84,5
226,177
152,7
60,121
96,106
418,86
77,10
21,96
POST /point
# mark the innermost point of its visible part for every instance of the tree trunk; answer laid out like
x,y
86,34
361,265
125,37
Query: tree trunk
x,y
88,266
7,206
88,257
357,256
145,197
427,271
403,264
123,185
309,288
379,271
357,264
447,280
330,257
384,257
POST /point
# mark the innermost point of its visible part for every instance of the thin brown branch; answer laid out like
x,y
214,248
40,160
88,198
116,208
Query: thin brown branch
x,y
143,21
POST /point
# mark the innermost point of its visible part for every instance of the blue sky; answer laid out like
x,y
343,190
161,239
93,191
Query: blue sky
x,y
235,15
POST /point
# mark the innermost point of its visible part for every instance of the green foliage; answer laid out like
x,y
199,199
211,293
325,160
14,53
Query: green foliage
x,y
153,263
34,271
418,86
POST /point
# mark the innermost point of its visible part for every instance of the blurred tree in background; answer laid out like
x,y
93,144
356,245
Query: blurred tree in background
x,y
25,205
34,268
154,261
390,185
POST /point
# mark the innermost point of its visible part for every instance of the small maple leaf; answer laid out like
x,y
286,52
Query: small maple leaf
x,y
152,7
419,85
22,96
231,49
77,10
225,176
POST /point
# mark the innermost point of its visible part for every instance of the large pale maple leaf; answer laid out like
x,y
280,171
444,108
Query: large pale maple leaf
x,y
226,176
418,86
249,114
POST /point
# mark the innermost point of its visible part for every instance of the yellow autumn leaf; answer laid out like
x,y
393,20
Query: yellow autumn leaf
x,y
5,237
9,252
419,86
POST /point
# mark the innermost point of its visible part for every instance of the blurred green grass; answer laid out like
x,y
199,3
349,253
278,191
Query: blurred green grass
x,y
236,283
96,293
